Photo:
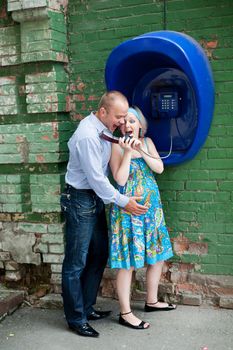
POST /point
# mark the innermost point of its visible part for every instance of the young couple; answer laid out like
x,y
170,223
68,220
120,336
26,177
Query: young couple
x,y
138,235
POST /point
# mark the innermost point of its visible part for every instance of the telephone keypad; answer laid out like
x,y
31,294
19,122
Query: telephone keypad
x,y
165,104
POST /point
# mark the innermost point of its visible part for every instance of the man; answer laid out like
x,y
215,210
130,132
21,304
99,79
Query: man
x,y
87,189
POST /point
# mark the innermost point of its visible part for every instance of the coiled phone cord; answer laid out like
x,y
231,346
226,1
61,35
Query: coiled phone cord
x,y
164,157
114,139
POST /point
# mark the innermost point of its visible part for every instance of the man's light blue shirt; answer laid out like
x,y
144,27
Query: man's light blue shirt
x,y
88,161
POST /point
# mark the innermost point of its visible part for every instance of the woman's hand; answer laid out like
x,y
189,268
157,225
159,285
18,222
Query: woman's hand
x,y
130,143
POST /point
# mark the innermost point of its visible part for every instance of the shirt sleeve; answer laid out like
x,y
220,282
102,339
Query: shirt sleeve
x,y
90,155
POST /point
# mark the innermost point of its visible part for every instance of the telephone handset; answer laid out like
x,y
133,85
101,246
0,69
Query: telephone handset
x,y
114,139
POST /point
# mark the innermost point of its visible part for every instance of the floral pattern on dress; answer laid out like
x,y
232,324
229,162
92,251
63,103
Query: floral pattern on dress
x,y
143,239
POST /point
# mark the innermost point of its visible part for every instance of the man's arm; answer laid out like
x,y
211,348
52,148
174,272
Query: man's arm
x,y
90,155
91,161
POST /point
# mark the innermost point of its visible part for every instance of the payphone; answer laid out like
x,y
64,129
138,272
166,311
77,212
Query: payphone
x,y
164,103
168,76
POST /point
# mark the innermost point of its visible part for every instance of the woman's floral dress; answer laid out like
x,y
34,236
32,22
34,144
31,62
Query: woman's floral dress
x,y
144,239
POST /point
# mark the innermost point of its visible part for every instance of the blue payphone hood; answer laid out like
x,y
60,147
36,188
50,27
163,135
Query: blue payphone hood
x,y
143,67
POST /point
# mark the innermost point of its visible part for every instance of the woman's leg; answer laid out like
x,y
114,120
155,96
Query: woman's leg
x,y
153,274
123,284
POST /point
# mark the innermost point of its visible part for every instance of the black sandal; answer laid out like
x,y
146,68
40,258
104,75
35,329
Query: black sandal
x,y
130,325
149,308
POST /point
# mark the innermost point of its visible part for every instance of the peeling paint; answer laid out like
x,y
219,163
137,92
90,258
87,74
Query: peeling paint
x,y
18,217
81,86
40,158
209,46
61,57
181,245
24,150
22,90
212,44
79,97
19,139
3,12
45,138
77,116
55,130
93,98
68,103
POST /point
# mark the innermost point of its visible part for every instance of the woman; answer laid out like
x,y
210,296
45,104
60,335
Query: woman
x,y
136,241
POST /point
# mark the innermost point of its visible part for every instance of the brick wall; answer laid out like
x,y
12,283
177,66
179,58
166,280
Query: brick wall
x,y
42,98
197,196
34,129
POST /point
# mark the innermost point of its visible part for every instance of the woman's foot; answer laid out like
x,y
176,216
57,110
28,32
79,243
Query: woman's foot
x,y
128,319
159,306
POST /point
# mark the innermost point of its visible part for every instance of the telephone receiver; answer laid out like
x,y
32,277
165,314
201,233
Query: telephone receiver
x,y
112,138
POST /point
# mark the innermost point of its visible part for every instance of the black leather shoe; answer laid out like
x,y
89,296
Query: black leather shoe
x,y
149,308
84,329
97,315
141,325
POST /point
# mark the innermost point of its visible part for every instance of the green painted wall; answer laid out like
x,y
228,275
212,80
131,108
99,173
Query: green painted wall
x,y
34,129
52,60
198,195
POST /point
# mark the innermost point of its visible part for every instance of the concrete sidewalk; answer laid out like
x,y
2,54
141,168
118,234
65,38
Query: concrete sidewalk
x,y
187,328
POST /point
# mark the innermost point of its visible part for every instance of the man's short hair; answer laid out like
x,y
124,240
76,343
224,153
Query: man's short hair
x,y
110,97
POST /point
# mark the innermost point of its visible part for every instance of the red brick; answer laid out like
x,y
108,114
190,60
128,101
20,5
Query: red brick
x,y
9,301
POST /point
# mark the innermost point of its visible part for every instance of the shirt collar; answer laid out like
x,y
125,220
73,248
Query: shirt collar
x,y
98,124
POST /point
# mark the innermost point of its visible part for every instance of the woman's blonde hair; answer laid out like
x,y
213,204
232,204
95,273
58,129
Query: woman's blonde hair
x,y
139,115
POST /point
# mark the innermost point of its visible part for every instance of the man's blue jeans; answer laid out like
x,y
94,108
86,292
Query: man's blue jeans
x,y
86,252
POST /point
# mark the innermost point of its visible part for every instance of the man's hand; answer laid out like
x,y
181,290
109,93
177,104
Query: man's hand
x,y
134,208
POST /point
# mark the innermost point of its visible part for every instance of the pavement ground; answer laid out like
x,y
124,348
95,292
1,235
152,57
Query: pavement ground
x,y
186,328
